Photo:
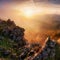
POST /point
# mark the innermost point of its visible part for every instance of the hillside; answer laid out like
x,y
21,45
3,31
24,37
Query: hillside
x,y
13,45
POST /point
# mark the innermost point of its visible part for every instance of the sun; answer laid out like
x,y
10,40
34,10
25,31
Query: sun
x,y
29,12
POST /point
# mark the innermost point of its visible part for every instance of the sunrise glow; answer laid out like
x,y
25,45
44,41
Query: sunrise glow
x,y
31,11
29,29
28,12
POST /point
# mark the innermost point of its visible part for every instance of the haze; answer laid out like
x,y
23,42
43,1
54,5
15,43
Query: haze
x,y
35,16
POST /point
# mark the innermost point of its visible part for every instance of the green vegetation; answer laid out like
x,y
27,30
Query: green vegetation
x,y
11,40
13,45
57,57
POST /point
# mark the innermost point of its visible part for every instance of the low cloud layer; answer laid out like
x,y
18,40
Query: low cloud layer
x,y
53,22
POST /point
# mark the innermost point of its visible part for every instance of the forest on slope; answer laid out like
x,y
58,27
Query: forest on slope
x,y
14,46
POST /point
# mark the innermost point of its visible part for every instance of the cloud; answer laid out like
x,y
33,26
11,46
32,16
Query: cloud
x,y
57,35
12,0
49,1
52,22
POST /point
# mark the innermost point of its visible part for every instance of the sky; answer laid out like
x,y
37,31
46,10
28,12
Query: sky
x,y
18,9
34,15
50,1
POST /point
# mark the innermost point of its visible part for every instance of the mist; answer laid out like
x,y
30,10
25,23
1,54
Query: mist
x,y
38,27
